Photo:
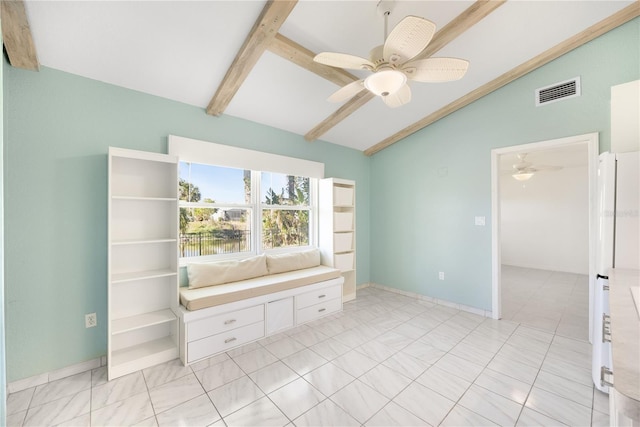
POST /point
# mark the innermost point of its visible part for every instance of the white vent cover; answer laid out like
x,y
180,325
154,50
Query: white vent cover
x,y
558,91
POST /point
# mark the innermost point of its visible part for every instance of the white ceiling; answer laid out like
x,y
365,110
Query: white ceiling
x,y
181,50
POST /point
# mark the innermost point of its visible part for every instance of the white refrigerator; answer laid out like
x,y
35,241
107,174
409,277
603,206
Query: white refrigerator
x,y
618,244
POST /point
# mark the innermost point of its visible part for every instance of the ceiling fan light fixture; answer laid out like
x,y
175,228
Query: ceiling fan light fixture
x,y
523,176
385,82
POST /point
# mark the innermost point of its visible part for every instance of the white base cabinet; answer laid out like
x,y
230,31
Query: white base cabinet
x,y
337,236
214,330
142,260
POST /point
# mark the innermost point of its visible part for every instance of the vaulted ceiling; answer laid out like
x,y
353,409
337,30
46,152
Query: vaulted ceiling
x,y
253,59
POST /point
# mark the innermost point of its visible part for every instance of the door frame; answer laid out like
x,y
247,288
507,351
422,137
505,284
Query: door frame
x,y
591,140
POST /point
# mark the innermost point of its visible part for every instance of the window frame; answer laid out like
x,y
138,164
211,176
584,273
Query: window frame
x,y
256,208
312,208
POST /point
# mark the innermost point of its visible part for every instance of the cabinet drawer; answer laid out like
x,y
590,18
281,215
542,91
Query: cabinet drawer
x,y
224,341
224,322
319,310
316,297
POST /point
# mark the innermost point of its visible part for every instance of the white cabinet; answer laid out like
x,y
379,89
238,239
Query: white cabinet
x,y
337,230
142,260
318,303
279,315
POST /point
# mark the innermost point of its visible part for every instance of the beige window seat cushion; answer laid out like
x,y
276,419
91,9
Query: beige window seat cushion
x,y
197,299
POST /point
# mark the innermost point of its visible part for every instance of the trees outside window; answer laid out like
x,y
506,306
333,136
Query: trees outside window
x,y
217,206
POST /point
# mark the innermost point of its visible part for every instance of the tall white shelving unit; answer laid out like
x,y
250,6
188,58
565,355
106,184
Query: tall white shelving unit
x,y
142,260
337,200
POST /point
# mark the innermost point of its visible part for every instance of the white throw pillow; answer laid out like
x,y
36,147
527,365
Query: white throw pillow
x,y
293,261
216,273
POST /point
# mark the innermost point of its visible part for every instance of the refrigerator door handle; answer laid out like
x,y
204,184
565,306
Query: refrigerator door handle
x,y
606,328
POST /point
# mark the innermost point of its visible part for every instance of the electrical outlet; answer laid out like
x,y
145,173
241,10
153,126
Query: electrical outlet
x,y
441,275
90,320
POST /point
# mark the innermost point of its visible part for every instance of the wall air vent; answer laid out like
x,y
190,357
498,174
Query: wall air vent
x,y
558,92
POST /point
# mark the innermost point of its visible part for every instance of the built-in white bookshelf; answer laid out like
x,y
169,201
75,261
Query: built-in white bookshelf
x,y
142,260
337,200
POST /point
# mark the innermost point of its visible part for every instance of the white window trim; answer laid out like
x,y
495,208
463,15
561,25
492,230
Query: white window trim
x,y
196,151
203,152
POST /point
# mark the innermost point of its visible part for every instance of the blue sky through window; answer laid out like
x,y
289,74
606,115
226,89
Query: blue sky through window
x,y
226,185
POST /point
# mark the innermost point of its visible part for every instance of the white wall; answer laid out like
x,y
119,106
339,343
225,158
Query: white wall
x,y
545,221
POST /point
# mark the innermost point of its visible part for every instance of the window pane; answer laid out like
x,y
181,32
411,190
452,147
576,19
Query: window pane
x,y
206,183
282,228
211,231
281,189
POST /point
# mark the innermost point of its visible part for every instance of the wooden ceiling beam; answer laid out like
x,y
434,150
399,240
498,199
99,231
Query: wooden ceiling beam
x,y
16,35
625,15
273,15
471,16
461,23
303,57
347,109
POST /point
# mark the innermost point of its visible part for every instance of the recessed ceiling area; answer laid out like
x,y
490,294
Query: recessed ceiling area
x,y
181,50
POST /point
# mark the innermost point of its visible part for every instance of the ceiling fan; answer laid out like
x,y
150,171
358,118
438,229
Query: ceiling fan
x,y
523,170
393,63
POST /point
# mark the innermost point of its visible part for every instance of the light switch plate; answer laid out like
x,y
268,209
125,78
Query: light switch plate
x,y
480,220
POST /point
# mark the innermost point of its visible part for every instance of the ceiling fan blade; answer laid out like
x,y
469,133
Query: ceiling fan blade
x,y
407,39
548,168
346,92
436,69
401,97
343,60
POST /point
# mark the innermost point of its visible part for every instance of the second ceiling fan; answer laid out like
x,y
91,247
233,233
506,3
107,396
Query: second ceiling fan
x,y
393,63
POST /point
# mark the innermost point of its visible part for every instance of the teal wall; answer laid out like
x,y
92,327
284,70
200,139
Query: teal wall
x,y
57,130
429,187
418,221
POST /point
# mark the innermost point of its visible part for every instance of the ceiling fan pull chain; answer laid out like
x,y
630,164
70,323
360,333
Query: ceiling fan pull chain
x,y
386,25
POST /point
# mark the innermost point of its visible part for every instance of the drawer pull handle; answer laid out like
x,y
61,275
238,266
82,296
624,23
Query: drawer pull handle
x,y
228,340
321,310
603,372
321,296
230,321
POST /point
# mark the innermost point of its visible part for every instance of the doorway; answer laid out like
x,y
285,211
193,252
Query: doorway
x,y
501,275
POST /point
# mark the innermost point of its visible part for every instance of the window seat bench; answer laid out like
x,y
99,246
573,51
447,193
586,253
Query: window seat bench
x,y
219,318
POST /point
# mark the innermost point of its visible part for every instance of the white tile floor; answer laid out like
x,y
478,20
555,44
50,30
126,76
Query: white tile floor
x,y
549,300
385,360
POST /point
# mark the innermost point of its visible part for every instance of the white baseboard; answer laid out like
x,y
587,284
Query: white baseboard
x,y
47,377
469,309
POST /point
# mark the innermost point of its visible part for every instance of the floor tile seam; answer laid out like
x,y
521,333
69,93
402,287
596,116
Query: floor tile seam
x,y
449,351
575,365
156,414
291,367
31,400
565,397
368,419
533,385
392,401
504,373
153,408
267,396
205,389
325,397
71,396
55,399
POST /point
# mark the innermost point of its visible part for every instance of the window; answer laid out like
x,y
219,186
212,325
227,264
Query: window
x,y
228,212
285,210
